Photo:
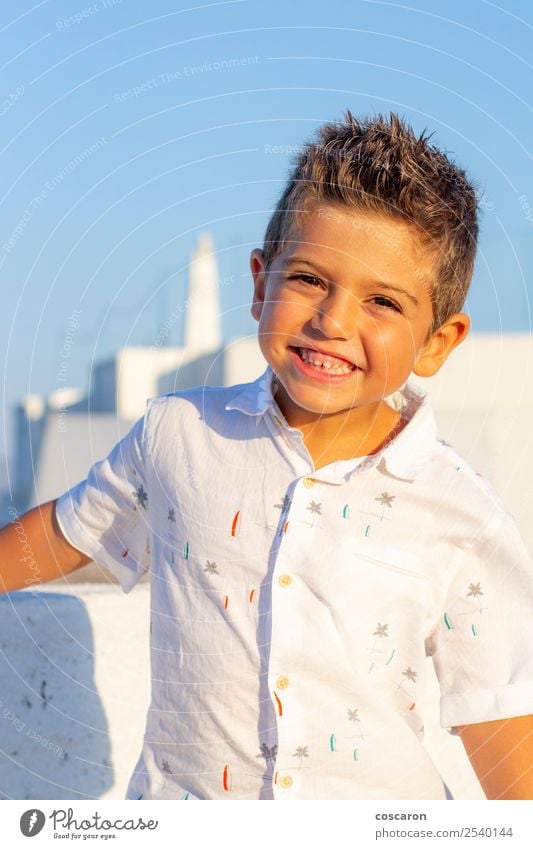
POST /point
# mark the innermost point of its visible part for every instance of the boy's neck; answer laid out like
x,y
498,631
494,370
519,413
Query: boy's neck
x,y
347,444
345,435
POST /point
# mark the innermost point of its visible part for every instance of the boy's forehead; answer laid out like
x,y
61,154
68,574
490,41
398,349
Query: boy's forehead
x,y
332,222
332,232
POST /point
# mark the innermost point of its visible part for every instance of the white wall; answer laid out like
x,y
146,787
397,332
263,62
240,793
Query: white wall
x,y
74,691
138,373
244,361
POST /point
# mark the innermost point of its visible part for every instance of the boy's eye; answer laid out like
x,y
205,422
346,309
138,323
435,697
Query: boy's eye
x,y
307,278
382,301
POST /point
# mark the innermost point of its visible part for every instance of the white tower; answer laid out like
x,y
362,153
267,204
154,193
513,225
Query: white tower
x,y
202,318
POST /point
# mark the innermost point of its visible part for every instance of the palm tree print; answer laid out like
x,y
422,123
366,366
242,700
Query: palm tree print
x,y
475,590
141,496
316,510
410,674
301,752
268,753
353,716
380,632
211,567
171,514
386,501
166,767
284,504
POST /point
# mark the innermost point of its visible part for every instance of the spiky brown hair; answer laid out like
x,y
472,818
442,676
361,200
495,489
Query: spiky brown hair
x,y
379,165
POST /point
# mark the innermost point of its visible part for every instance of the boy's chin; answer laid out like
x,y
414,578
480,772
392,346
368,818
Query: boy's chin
x,y
299,402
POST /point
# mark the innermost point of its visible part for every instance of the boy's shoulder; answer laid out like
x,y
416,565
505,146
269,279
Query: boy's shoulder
x,y
212,402
194,395
453,474
440,470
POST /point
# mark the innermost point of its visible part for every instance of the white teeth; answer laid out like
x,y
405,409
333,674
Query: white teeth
x,y
308,357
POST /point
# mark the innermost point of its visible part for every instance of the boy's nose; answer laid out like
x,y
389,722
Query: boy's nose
x,y
337,317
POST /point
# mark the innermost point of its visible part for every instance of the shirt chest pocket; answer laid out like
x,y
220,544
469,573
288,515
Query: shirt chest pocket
x,y
377,581
391,561
386,602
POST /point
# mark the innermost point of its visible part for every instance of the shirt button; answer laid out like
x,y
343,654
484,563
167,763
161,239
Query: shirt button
x,y
285,580
309,482
285,781
282,682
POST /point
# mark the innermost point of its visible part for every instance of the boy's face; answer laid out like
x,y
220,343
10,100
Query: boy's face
x,y
354,286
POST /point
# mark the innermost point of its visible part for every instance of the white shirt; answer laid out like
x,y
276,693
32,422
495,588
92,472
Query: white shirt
x,y
293,607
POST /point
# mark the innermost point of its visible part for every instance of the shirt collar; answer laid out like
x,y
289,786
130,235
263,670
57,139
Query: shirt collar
x,y
403,458
407,454
254,399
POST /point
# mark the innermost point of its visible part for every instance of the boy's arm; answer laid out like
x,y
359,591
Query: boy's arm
x,y
33,550
501,753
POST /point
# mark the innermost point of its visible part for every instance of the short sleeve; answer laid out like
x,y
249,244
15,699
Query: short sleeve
x,y
482,644
106,516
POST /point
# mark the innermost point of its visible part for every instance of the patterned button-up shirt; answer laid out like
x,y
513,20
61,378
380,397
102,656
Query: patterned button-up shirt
x,y
293,608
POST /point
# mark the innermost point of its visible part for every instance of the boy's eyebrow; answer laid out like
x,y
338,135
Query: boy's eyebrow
x,y
379,283
300,259
382,285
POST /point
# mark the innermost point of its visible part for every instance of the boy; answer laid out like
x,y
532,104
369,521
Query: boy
x,y
310,540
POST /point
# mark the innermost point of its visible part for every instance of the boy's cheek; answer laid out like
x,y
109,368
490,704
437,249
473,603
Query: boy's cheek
x,y
281,316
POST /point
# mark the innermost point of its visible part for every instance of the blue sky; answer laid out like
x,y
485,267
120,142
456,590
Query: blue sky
x,y
128,128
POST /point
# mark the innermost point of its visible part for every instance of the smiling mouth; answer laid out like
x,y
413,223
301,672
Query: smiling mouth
x,y
325,362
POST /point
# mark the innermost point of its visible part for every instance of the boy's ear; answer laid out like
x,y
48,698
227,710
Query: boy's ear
x,y
441,343
257,267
